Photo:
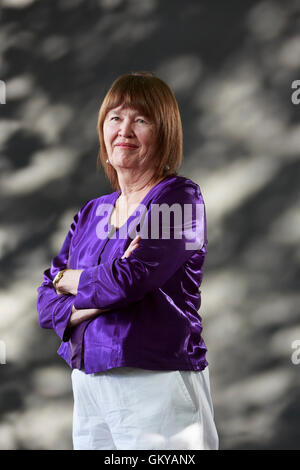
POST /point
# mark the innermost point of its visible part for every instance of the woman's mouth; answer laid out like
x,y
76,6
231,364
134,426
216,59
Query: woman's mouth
x,y
126,145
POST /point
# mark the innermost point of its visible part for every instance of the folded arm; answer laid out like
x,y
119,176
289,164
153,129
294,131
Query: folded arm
x,y
118,283
55,307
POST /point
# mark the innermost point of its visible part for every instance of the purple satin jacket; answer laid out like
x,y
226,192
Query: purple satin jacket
x,y
153,296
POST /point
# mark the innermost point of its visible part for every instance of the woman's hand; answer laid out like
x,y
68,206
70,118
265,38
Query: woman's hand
x,y
68,284
78,316
133,245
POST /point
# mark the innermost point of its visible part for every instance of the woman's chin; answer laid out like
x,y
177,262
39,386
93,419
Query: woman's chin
x,y
124,165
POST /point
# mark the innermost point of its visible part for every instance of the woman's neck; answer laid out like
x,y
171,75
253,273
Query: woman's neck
x,y
135,190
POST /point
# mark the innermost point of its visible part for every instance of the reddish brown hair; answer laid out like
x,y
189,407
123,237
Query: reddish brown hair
x,y
152,97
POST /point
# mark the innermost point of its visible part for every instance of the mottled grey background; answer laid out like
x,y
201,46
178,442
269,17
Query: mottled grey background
x,y
231,65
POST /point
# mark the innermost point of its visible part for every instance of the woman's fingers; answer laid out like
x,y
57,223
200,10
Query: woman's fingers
x,y
78,316
133,245
137,238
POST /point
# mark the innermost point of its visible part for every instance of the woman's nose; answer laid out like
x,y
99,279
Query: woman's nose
x,y
125,129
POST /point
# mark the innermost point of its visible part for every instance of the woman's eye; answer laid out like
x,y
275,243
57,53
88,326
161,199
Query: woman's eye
x,y
142,121
114,118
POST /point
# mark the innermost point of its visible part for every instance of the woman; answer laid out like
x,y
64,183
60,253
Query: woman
x,y
123,293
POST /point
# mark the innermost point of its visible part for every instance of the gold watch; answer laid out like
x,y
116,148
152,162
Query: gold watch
x,y
58,277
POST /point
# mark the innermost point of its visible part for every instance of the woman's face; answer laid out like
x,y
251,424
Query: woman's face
x,y
129,139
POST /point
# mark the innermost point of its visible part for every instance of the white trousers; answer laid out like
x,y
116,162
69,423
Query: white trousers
x,y
128,408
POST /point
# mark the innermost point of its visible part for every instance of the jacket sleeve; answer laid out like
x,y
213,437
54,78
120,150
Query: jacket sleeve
x,y
54,310
120,282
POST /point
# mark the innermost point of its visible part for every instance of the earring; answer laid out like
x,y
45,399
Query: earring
x,y
107,161
167,167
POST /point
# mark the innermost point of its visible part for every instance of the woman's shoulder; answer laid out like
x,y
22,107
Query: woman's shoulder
x,y
179,181
178,186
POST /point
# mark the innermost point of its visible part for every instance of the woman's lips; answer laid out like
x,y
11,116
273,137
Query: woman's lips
x,y
126,145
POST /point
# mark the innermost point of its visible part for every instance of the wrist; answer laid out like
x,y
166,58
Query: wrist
x,y
57,278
